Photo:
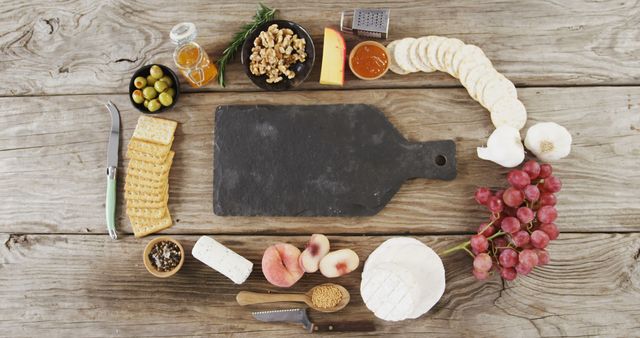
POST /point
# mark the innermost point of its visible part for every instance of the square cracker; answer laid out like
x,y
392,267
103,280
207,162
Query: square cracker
x,y
147,157
158,182
149,170
148,147
155,130
144,193
146,212
137,203
145,226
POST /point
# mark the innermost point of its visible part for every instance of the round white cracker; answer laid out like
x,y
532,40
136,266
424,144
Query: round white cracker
x,y
482,83
467,51
422,50
401,54
497,88
471,80
469,63
442,49
415,55
393,66
509,111
432,49
454,46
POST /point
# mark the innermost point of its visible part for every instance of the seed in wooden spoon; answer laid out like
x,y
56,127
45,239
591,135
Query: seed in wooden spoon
x,y
326,296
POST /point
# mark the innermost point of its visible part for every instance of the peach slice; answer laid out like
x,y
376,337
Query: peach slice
x,y
280,265
338,263
317,248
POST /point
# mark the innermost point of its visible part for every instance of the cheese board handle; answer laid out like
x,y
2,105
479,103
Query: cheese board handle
x,y
431,159
248,298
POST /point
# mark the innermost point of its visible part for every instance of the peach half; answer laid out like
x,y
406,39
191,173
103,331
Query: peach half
x,y
280,265
338,263
317,248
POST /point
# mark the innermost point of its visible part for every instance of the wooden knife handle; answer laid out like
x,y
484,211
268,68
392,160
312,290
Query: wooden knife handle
x,y
352,326
248,298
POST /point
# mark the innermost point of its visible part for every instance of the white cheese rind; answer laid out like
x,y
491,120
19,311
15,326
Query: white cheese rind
x,y
222,259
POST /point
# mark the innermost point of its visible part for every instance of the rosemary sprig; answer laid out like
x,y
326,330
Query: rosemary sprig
x,y
263,14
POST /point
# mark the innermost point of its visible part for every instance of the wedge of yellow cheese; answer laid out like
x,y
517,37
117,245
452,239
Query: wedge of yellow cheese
x,y
333,58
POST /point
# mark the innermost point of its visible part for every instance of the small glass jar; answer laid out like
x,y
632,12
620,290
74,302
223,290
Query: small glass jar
x,y
190,57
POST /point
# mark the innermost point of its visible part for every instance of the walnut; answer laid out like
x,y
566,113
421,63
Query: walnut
x,y
274,51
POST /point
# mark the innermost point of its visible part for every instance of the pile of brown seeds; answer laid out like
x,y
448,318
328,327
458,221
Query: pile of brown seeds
x,y
165,256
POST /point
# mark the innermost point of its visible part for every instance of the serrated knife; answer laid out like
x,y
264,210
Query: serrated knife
x,y
112,167
300,316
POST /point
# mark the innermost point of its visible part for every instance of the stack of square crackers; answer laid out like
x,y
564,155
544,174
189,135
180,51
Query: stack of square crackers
x,y
146,188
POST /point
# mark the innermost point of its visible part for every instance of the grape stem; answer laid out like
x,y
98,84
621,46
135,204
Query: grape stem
x,y
464,245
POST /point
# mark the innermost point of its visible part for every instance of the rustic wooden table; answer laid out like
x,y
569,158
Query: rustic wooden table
x,y
574,62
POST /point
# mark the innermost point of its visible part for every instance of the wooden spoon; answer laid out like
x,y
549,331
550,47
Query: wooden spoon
x,y
248,298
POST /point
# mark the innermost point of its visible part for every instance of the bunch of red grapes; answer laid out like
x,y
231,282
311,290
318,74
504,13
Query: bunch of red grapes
x,y
515,239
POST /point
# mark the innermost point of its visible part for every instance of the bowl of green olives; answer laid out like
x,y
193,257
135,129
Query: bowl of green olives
x,y
154,89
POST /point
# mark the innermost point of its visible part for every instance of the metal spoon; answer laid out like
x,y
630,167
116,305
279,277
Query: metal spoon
x,y
248,298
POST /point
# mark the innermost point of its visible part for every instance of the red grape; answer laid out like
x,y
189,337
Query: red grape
x,y
552,184
547,198
508,258
496,219
513,197
525,215
520,238
518,179
528,257
495,204
480,275
483,262
543,257
499,193
510,225
482,195
479,243
523,269
550,229
531,193
500,243
532,168
547,214
539,239
545,171
486,230
508,273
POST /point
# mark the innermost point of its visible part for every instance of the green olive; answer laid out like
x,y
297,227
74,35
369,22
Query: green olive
x,y
137,96
140,82
160,86
151,80
146,103
154,105
156,72
149,93
167,79
171,92
165,99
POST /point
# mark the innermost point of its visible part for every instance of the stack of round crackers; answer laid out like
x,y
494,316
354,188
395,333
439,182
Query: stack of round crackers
x,y
469,64
146,188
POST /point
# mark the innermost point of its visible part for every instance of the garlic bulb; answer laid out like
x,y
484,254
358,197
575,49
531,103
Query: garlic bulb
x,y
549,141
504,147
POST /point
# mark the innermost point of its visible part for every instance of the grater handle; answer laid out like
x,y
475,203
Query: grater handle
x,y
343,16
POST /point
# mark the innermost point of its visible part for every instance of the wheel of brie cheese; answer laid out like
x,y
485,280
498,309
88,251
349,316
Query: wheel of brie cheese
x,y
402,279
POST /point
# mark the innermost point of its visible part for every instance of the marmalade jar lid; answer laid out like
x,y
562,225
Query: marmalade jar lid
x,y
183,32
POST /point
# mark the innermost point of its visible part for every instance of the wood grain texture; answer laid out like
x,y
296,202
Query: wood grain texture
x,y
76,47
53,155
89,286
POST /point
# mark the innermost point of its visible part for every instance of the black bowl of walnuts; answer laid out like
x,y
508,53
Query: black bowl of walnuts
x,y
154,89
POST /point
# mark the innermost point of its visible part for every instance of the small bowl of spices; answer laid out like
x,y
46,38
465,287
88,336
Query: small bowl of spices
x,y
163,256
369,60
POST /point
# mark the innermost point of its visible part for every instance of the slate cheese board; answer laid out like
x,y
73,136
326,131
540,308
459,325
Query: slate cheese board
x,y
316,160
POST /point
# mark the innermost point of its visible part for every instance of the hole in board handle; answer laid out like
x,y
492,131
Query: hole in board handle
x,y
440,160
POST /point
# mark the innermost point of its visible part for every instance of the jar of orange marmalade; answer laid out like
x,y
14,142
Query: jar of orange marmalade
x,y
190,57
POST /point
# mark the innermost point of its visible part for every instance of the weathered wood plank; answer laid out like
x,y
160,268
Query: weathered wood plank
x,y
76,47
53,155
87,285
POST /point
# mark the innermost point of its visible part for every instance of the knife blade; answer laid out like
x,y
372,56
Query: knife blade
x,y
112,166
300,316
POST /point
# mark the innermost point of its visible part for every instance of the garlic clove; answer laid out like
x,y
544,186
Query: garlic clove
x,y
504,147
549,141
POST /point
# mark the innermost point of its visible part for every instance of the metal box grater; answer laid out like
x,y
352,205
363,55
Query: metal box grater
x,y
367,22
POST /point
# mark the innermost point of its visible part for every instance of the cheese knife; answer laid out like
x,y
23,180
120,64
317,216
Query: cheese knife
x,y
112,166
300,316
